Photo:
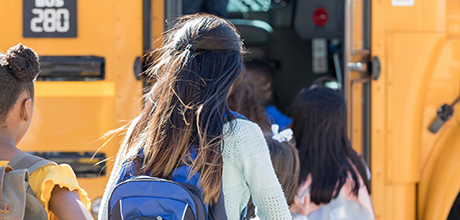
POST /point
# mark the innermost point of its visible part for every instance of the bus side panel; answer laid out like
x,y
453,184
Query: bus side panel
x,y
378,126
127,46
406,79
423,74
158,22
423,15
416,47
73,121
412,58
440,182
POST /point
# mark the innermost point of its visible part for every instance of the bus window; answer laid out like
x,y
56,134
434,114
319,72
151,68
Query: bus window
x,y
71,68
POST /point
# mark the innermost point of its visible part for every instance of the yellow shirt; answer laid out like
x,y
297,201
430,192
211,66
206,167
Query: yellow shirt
x,y
43,181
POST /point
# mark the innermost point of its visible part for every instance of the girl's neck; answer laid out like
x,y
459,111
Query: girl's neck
x,y
7,148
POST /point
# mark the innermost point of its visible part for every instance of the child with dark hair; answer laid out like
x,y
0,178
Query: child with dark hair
x,y
333,178
201,59
285,160
55,186
243,100
261,74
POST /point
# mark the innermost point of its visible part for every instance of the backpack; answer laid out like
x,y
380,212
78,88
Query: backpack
x,y
145,197
17,200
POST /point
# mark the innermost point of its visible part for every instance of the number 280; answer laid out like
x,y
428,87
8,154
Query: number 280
x,y
51,20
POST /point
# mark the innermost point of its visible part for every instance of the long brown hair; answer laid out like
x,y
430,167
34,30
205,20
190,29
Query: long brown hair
x,y
200,60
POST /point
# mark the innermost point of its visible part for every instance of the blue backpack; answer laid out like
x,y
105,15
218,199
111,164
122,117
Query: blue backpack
x,y
146,197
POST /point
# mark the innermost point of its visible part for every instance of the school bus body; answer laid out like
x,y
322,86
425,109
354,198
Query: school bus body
x,y
71,116
415,173
400,61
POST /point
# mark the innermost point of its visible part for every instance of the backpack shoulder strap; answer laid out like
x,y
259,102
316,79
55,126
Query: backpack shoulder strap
x,y
4,207
28,161
217,210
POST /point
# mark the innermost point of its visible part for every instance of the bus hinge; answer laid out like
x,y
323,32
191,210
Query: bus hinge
x,y
376,68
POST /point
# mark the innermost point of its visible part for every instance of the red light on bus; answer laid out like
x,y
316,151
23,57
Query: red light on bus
x,y
320,16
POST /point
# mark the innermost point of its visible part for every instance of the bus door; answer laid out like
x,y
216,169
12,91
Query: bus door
x,y
356,66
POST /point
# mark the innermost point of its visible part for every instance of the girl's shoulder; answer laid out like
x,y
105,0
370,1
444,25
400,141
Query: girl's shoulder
x,y
46,178
241,126
242,139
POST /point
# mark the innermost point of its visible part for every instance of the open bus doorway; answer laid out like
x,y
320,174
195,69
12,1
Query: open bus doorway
x,y
313,41
272,30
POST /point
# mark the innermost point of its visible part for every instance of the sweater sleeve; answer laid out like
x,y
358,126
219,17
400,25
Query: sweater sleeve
x,y
115,173
251,156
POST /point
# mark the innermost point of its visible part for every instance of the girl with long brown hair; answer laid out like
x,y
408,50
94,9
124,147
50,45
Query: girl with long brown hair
x,y
195,70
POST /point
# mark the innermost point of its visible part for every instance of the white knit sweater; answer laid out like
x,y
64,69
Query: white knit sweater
x,y
247,171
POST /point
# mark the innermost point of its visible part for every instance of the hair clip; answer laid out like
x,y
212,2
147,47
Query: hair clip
x,y
284,135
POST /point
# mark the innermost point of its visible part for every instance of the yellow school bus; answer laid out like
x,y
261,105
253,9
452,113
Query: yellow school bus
x,y
397,62
91,56
416,167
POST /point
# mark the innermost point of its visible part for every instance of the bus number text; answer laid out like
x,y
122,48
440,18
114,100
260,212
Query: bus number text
x,y
50,20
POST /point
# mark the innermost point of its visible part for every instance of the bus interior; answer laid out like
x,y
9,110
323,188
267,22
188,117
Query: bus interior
x,y
283,32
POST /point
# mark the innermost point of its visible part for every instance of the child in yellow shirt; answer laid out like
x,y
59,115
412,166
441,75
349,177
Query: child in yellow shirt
x,y
54,185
